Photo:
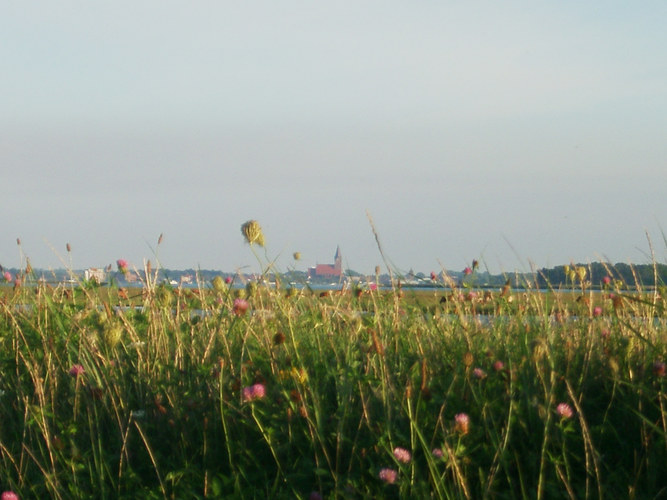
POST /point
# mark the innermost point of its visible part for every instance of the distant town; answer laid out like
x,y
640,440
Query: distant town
x,y
334,275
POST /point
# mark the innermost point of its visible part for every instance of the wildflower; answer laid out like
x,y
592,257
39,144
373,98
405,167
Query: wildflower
x,y
373,287
581,273
228,280
122,265
76,370
402,455
597,311
252,232
7,276
433,276
479,373
659,369
258,391
240,307
388,475
462,423
606,280
252,392
246,394
9,495
314,495
498,366
564,411
604,334
218,284
467,271
437,453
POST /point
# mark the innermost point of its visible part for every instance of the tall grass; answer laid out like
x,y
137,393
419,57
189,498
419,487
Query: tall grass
x,y
190,395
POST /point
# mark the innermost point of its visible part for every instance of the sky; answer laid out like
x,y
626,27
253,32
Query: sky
x,y
522,134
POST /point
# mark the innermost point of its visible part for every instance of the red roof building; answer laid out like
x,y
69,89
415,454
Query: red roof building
x,y
334,270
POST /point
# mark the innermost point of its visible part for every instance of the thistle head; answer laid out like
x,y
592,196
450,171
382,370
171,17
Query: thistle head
x,y
252,232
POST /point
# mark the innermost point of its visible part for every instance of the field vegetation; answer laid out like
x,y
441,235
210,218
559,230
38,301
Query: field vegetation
x,y
260,391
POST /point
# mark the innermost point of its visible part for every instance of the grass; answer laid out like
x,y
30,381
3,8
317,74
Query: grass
x,y
186,394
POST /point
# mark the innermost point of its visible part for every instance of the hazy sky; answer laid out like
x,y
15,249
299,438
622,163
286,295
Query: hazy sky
x,y
510,132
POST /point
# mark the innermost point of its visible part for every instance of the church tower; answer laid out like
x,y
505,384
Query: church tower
x,y
338,261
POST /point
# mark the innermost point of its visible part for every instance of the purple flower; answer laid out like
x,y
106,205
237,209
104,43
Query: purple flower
x,y
437,453
478,373
402,455
597,311
659,369
9,495
388,475
76,370
462,423
240,307
467,271
7,276
606,280
564,411
252,392
498,366
433,276
122,265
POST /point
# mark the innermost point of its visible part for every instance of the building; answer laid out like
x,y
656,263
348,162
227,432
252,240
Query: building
x,y
94,274
334,270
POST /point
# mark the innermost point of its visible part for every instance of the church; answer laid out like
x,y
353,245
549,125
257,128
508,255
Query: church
x,y
334,270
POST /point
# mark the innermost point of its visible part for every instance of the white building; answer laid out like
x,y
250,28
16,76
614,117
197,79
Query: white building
x,y
94,273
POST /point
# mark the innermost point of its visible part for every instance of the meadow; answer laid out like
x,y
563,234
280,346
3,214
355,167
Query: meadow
x,y
270,392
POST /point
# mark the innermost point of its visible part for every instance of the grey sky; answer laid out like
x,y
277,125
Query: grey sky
x,y
513,132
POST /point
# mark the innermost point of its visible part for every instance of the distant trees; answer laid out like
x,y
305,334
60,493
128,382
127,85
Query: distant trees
x,y
640,274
